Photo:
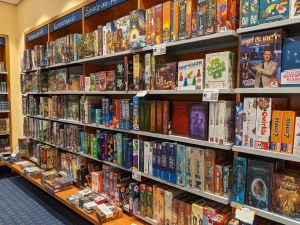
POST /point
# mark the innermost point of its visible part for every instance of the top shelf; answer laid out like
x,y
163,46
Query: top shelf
x,y
197,44
289,24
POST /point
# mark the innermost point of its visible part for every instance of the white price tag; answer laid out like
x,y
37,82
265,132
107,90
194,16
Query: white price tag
x,y
210,96
244,214
137,175
159,49
142,93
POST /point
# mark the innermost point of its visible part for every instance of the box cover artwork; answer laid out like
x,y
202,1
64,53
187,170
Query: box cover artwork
x,y
198,120
260,59
190,74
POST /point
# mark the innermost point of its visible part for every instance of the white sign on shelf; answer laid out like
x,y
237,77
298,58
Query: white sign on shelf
x,y
210,96
137,175
159,49
245,214
142,93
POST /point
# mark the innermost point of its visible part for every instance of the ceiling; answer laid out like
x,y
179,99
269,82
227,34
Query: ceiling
x,y
14,2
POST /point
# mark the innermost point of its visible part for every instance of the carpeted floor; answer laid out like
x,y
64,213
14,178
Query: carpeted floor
x,y
22,203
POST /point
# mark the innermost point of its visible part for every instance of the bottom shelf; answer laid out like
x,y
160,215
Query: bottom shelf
x,y
270,215
62,197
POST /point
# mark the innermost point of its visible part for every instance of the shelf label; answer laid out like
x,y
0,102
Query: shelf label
x,y
142,94
159,49
66,20
244,214
137,175
99,6
37,33
210,96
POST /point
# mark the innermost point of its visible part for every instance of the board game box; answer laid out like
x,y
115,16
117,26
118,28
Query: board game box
x,y
167,8
190,74
199,168
288,128
181,19
244,13
158,24
180,165
137,29
239,112
249,126
270,11
276,130
209,170
190,170
239,181
150,28
294,9
198,113
296,150
166,76
180,118
260,59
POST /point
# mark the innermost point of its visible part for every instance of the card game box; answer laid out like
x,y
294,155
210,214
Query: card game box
x,y
265,106
238,132
191,74
137,29
249,126
260,59
296,150
239,180
259,184
270,11
220,70
198,113
288,128
276,130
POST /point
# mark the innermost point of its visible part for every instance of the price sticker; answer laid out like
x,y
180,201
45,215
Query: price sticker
x,y
159,49
142,93
210,96
245,214
137,175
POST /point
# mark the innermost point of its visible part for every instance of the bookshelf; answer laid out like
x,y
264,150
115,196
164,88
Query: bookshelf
x,y
5,96
185,50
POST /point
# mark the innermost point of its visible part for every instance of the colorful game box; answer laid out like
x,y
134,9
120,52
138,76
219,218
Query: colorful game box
x,y
276,130
158,24
120,37
288,127
249,126
239,181
265,106
219,70
210,27
166,76
150,28
227,173
199,168
190,74
227,15
294,9
296,150
209,170
190,170
137,29
239,114
167,21
174,18
290,68
202,16
189,10
198,120
244,12
270,11
181,19
260,59
180,167
254,12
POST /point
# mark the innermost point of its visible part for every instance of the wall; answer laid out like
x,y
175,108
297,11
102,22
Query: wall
x,y
8,26
14,21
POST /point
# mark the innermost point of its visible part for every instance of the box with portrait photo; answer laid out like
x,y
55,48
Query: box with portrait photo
x,y
260,59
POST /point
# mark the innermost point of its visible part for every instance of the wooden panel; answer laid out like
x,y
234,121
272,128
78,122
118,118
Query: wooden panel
x,y
39,41
71,29
91,23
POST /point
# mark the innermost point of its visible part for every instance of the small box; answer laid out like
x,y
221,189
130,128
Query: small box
x,y
249,126
296,150
276,130
288,128
244,12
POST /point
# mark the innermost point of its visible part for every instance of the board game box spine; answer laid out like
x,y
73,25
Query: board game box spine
x,y
296,150
211,17
180,165
149,202
155,160
180,118
168,206
253,12
165,117
159,117
225,122
120,77
148,72
189,11
199,168
288,128
218,180
175,25
104,40
240,178
239,111
147,118
250,105
158,24
167,21
164,174
190,176
172,162
212,121
146,156
276,130
244,12
111,78
136,150
150,29
175,205
136,105
181,19
227,175
153,116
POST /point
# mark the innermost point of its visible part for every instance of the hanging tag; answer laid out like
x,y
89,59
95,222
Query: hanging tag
x,y
142,93
210,96
159,49
137,175
244,214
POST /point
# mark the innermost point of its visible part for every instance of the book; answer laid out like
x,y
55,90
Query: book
x,y
276,130
180,118
219,70
259,184
239,181
137,29
259,65
166,76
273,11
158,24
190,74
198,113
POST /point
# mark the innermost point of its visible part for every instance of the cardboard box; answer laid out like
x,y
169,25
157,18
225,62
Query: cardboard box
x,y
239,113
167,21
276,130
249,126
296,150
190,169
175,22
225,127
244,12
213,106
294,9
191,6
190,74
199,168
288,128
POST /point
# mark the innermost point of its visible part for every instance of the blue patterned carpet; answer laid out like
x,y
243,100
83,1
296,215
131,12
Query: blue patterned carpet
x,y
22,203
